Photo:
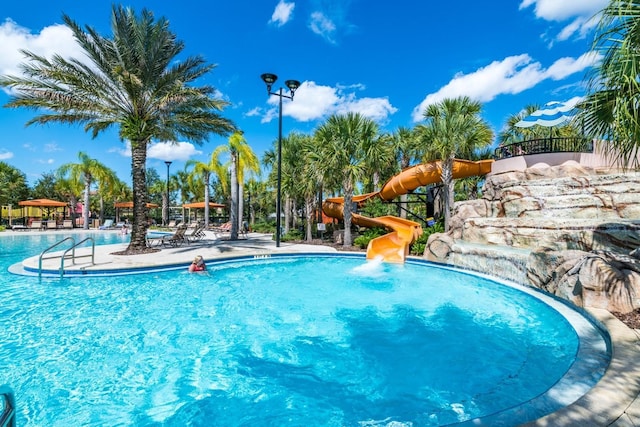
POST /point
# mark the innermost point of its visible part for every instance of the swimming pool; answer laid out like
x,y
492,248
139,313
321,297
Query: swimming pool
x,y
286,341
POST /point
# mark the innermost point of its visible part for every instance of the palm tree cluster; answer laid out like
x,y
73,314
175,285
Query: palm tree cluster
x,y
134,83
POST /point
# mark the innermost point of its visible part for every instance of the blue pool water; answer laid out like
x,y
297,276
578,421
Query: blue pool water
x,y
283,341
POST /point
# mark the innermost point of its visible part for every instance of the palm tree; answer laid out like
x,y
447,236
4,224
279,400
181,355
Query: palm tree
x,y
343,139
610,110
87,171
135,83
454,128
405,143
203,171
241,157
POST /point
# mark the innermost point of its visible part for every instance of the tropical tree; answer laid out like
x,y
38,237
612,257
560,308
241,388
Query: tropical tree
x,y
203,172
407,150
133,82
342,140
45,187
610,109
454,128
13,185
309,182
241,158
86,171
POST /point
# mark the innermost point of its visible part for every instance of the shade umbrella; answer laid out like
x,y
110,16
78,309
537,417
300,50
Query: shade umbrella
x,y
47,204
128,205
553,113
43,203
200,205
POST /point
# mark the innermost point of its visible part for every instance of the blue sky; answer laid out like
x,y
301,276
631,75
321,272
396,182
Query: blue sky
x,y
386,60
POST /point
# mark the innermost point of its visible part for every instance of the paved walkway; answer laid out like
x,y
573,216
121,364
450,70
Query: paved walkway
x,y
612,402
212,246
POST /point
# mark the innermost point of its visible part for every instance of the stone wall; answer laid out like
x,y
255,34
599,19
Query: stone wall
x,y
569,230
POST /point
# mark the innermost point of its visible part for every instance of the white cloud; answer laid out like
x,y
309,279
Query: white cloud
x,y
580,12
512,75
313,102
51,147
282,13
5,155
320,24
168,151
53,39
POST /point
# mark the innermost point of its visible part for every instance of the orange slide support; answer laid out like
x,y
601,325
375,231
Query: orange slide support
x,y
394,247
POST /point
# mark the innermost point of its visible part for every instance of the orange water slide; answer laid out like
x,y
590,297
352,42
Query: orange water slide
x,y
394,246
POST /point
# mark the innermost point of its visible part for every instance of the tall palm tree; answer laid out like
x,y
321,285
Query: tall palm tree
x,y
454,128
407,149
203,171
343,139
135,83
610,110
87,171
309,180
241,157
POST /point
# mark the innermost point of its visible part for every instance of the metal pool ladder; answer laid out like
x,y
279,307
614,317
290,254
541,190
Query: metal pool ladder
x,y
73,256
7,407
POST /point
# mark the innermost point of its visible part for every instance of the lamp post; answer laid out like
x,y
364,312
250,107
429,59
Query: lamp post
x,y
166,218
269,80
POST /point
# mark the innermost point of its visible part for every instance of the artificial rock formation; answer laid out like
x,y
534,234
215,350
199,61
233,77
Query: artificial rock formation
x,y
569,230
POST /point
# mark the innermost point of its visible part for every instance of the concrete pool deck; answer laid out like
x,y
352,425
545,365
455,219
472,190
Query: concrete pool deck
x,y
614,401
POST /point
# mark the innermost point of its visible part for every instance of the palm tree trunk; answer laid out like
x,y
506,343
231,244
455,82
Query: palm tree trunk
x,y
207,198
138,243
240,205
287,214
85,206
447,181
233,215
346,213
309,209
403,206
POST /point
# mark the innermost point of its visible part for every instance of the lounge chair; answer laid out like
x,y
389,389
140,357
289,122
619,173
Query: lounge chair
x,y
36,225
67,224
175,239
173,224
52,224
108,223
197,233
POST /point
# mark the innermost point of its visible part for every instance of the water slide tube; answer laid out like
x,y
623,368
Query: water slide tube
x,y
394,247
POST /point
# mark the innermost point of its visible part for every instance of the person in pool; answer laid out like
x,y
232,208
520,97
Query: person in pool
x,y
197,264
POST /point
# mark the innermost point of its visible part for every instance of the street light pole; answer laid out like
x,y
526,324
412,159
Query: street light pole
x,y
269,80
166,216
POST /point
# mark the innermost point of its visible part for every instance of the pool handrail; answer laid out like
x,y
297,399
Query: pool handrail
x,y
8,407
49,248
73,254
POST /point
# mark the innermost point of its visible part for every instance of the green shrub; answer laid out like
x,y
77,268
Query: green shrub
x,y
264,227
370,234
417,248
291,236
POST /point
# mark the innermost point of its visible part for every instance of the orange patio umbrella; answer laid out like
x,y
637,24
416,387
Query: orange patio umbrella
x,y
47,204
129,205
43,203
200,205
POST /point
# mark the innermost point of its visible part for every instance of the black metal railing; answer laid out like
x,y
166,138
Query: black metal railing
x,y
545,145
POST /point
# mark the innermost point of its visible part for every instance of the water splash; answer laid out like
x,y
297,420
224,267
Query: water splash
x,y
371,268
